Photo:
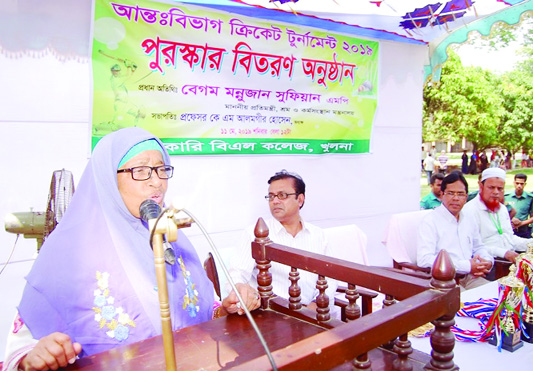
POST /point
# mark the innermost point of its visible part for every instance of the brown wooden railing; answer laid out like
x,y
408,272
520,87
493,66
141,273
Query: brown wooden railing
x,y
409,303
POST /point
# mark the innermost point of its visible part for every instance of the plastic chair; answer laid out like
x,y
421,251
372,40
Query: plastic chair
x,y
349,242
400,239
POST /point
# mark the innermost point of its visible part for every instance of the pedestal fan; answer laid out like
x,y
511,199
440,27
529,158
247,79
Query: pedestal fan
x,y
39,224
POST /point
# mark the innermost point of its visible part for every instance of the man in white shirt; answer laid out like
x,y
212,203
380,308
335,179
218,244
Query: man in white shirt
x,y
448,228
443,162
492,217
286,196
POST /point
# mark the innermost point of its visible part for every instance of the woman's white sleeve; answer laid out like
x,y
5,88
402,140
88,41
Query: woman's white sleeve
x,y
20,342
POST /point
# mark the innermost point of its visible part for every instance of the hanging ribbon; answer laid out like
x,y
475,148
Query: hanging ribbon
x,y
524,272
497,224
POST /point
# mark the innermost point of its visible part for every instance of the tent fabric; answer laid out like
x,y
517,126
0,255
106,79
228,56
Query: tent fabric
x,y
62,27
438,53
410,21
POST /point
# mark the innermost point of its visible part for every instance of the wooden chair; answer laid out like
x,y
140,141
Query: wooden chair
x,y
501,269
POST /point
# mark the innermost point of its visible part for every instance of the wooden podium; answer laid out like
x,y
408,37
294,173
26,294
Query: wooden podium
x,y
302,339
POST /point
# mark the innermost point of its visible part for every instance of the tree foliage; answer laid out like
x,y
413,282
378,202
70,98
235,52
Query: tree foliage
x,y
487,109
526,65
465,103
517,122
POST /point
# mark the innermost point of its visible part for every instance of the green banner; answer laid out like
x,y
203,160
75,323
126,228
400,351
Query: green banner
x,y
209,82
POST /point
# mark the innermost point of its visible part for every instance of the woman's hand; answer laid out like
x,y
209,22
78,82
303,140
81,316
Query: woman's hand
x,y
251,298
51,352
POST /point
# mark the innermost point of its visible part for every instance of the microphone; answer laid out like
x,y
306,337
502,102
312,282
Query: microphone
x,y
149,209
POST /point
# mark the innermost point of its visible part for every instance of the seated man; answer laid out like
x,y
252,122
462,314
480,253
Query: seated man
x,y
522,202
286,196
433,199
447,228
508,206
492,217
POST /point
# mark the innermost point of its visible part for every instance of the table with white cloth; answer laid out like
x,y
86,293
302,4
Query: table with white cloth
x,y
482,356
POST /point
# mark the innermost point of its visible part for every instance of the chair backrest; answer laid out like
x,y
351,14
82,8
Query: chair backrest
x,y
401,234
211,271
347,242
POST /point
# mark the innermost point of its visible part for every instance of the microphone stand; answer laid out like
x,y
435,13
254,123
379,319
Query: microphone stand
x,y
158,228
167,224
187,222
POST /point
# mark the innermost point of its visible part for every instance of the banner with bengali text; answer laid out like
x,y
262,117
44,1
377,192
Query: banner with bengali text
x,y
209,82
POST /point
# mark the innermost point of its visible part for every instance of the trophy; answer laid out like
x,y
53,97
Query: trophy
x,y
507,329
524,262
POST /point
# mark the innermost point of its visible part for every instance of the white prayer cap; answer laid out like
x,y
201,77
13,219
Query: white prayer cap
x,y
493,172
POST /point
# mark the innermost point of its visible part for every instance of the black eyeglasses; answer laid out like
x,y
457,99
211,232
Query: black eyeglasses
x,y
281,196
145,172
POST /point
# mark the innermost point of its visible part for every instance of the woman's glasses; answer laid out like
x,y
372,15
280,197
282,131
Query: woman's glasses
x,y
145,172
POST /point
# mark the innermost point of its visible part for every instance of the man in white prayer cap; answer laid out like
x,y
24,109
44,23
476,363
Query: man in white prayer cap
x,y
492,217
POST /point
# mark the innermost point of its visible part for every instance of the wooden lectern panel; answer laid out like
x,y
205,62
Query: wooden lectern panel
x,y
213,345
222,344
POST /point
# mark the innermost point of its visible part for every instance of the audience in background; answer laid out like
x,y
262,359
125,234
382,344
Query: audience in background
x,y
472,168
429,166
522,202
464,162
443,162
483,161
433,199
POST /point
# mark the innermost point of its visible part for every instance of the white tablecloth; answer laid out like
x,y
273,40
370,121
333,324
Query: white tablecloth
x,y
482,356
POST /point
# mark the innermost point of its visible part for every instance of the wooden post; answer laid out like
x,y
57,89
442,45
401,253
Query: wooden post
x,y
352,310
362,362
388,301
264,278
322,300
294,290
442,338
403,348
